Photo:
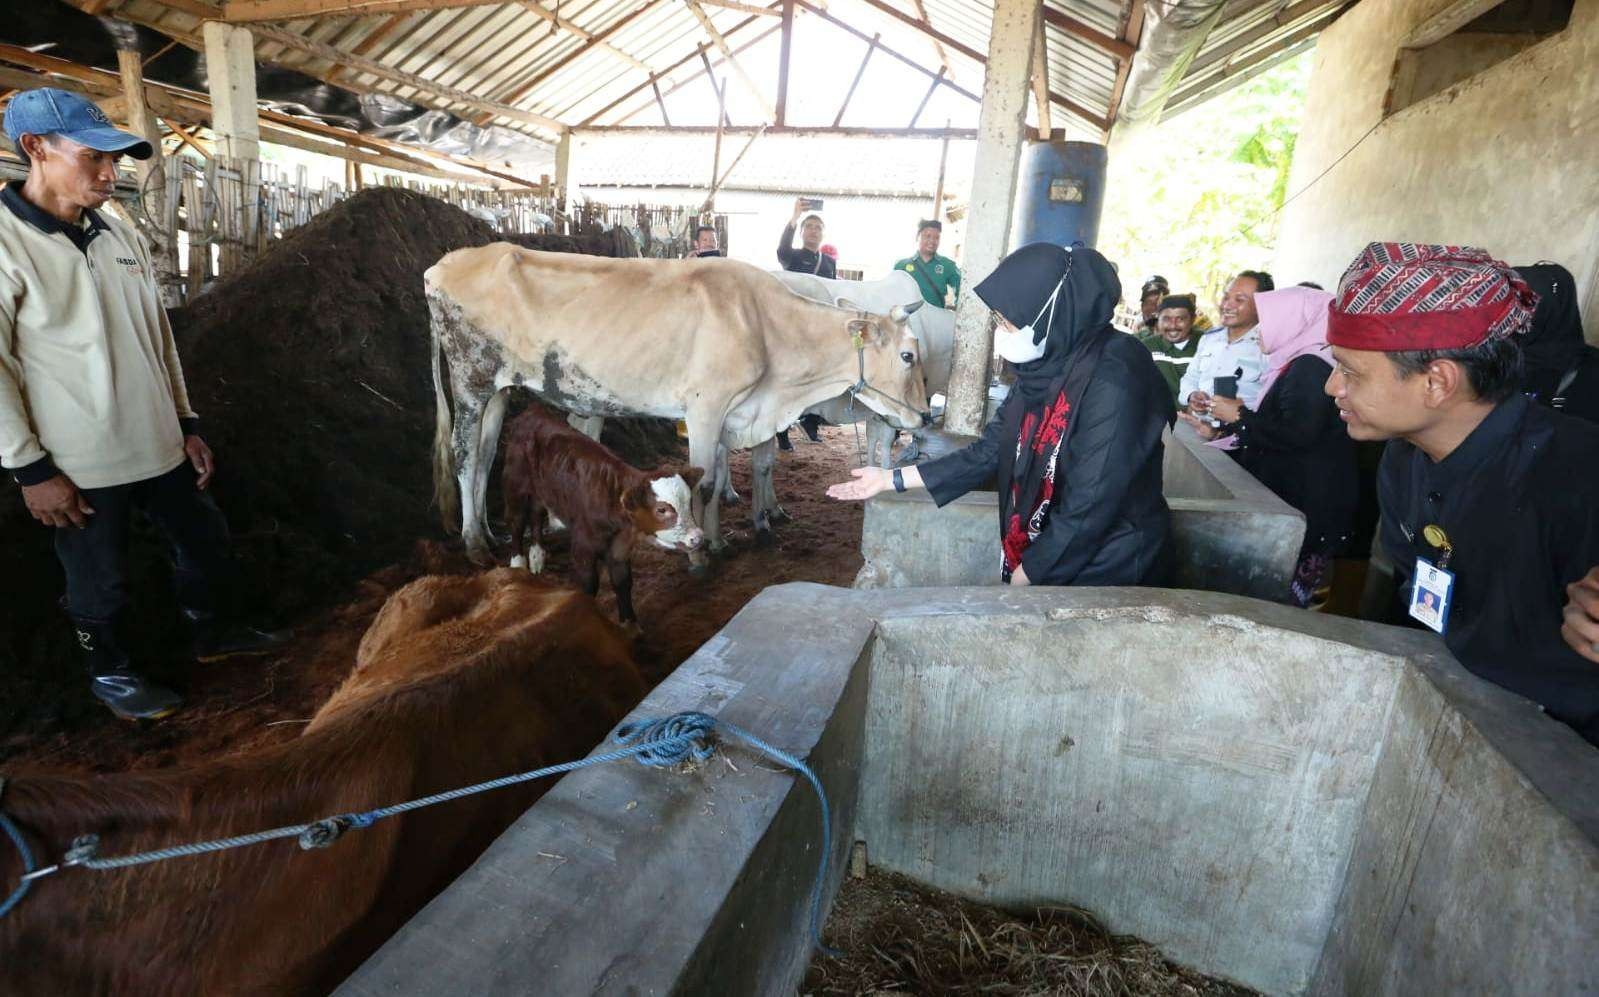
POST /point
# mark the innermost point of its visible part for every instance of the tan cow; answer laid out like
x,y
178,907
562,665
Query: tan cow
x,y
718,343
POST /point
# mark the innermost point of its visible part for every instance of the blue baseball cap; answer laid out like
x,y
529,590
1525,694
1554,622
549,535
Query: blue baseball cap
x,y
48,111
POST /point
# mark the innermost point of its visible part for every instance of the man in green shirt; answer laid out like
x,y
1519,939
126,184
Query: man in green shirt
x,y
1174,341
936,275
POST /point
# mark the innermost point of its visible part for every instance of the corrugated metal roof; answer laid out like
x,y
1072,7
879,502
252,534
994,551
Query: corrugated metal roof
x,y
595,67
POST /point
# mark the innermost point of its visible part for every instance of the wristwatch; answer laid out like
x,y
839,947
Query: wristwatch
x,y
899,480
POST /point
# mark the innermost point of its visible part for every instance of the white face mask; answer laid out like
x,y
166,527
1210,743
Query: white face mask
x,y
1018,347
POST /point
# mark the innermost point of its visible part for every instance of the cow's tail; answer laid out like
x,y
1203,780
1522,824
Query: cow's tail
x,y
445,494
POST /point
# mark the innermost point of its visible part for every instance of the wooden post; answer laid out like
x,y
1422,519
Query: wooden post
x,y
230,64
152,178
563,174
1000,131
716,151
1040,78
782,63
938,192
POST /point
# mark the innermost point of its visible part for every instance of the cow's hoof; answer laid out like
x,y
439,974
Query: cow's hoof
x,y
780,514
518,561
763,536
730,497
632,629
699,571
535,559
481,557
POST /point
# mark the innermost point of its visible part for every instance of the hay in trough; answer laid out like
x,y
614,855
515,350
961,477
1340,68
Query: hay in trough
x,y
899,937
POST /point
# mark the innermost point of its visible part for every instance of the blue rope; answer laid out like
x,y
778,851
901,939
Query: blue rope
x,y
659,743
27,860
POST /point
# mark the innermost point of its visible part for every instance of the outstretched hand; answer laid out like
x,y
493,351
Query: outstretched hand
x,y
1581,626
868,481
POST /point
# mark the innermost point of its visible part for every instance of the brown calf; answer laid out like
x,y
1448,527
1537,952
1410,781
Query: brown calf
x,y
458,680
606,504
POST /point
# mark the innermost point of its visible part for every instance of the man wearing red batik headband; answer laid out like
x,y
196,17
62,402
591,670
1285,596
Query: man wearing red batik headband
x,y
1490,504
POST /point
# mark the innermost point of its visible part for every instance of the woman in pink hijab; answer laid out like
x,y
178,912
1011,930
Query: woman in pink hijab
x,y
1294,441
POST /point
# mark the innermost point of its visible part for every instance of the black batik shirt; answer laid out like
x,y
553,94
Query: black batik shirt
x,y
1519,503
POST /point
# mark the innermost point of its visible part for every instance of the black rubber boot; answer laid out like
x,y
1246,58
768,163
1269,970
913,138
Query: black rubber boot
x,y
113,681
213,639
810,423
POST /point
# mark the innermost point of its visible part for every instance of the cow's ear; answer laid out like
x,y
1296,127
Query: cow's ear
x,y
865,331
637,497
692,475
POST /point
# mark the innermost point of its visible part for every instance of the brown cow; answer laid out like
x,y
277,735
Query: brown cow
x,y
458,680
606,504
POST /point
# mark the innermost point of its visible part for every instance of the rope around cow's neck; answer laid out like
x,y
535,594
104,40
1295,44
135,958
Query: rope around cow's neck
x,y
660,743
21,844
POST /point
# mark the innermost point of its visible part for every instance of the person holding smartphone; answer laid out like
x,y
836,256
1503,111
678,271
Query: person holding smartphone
x,y
1234,351
808,258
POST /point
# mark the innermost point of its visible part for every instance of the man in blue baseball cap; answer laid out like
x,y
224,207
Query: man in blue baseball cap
x,y
94,414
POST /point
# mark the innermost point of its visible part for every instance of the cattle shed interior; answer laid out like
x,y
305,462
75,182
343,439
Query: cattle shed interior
x,y
1213,791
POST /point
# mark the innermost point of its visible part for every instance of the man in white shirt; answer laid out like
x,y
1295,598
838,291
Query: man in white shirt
x,y
94,413
1232,351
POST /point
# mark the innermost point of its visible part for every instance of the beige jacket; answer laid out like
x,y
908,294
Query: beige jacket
x,y
90,382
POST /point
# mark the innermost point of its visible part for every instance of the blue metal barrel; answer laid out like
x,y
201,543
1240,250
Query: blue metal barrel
x,y
1060,194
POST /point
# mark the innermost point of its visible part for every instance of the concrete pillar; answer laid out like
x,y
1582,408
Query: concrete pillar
x,y
563,171
1000,132
230,66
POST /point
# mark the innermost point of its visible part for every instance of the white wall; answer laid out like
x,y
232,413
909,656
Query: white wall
x,y
1507,160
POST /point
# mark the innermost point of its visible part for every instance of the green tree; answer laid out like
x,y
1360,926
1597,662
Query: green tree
x,y
1196,198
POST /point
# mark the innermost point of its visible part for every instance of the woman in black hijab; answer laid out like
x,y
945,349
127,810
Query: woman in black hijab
x,y
1076,446
1560,370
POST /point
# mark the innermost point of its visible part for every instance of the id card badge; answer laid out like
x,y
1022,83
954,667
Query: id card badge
x,y
1430,594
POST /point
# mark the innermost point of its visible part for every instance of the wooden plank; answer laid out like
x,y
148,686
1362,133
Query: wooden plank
x,y
540,11
186,138
866,59
727,53
360,64
800,131
1115,47
747,8
1447,21
1041,80
929,31
594,41
938,46
720,88
249,11
1132,31
371,41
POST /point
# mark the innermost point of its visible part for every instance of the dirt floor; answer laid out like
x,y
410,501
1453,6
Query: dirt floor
x,y
248,702
901,938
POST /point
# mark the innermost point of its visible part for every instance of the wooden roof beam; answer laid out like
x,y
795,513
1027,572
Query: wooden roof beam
x,y
250,11
1116,48
727,53
360,64
540,11
523,89
1040,81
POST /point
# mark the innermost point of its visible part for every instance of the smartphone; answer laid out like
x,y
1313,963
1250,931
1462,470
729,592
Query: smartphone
x,y
811,203
1226,387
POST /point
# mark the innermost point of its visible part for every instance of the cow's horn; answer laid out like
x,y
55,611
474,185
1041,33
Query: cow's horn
x,y
902,313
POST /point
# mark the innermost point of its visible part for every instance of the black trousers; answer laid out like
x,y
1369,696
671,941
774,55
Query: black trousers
x,y
95,558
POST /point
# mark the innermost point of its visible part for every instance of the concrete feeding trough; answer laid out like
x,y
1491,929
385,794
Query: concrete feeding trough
x,y
1298,803
1230,532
